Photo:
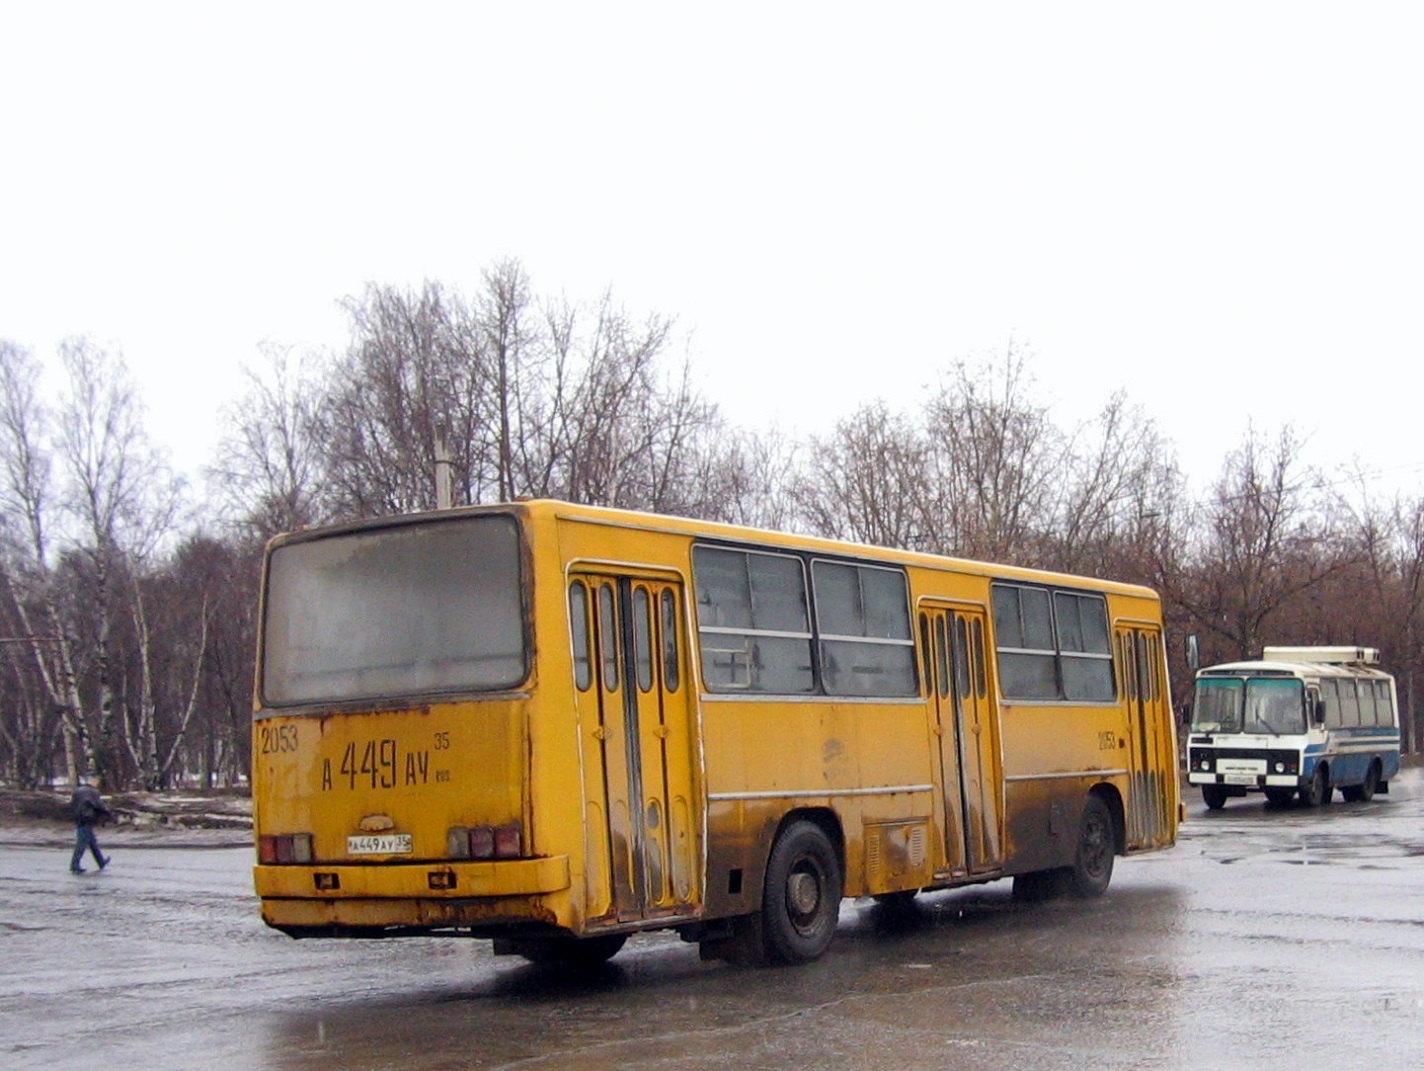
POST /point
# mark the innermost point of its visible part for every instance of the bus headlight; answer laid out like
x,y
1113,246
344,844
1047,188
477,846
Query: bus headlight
x,y
1280,767
1205,764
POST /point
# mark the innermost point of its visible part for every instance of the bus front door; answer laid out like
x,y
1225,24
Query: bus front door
x,y
634,722
967,731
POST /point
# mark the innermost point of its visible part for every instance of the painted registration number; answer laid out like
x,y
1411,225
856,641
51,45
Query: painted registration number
x,y
384,844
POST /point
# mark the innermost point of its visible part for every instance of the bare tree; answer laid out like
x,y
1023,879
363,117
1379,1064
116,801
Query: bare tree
x,y
42,635
1120,487
123,502
868,482
998,459
535,400
1402,607
611,406
202,601
1267,538
207,595
502,322
592,413
412,372
1378,600
269,474
747,478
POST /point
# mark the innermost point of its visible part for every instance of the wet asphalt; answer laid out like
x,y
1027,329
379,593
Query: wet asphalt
x,y
1268,938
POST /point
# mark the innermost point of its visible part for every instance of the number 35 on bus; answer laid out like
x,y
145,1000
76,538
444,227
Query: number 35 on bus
x,y
555,726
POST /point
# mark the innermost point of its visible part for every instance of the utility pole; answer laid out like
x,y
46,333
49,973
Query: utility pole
x,y
443,498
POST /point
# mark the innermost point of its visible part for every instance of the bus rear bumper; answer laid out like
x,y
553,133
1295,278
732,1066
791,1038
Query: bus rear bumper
x,y
429,880
367,901
395,918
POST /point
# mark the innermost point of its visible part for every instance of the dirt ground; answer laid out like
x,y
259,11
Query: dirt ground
x,y
41,812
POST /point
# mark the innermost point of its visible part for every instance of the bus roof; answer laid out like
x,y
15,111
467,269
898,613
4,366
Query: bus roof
x,y
1301,662
635,519
1346,655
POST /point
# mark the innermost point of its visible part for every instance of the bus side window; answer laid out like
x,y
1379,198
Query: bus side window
x,y
1384,701
1085,647
1329,705
1349,704
1028,659
671,675
578,627
1144,667
926,653
960,650
1129,665
1154,665
643,638
941,658
753,621
608,636
981,673
863,617
1367,704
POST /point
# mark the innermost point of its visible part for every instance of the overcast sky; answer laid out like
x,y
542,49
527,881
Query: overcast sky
x,y
1218,207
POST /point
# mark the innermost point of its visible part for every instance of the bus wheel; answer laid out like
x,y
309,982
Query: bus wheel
x,y
802,898
1214,796
1318,791
1097,845
574,953
1366,791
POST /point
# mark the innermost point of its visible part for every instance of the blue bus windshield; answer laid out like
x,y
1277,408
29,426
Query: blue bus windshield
x,y
1271,705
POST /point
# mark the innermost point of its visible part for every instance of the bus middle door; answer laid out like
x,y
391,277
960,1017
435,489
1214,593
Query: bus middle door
x,y
968,735
637,752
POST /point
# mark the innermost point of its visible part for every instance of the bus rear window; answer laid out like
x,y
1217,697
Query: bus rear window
x,y
393,612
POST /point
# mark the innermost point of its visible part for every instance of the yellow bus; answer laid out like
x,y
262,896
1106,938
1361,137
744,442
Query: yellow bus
x,y
555,725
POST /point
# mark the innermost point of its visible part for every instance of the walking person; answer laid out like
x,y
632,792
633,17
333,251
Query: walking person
x,y
87,808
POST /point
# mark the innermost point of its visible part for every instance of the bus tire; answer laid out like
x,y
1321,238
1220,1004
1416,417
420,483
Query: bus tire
x,y
801,901
1214,796
1097,847
1318,791
1367,788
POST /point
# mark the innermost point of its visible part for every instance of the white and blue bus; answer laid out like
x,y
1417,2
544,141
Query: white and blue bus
x,y
1301,721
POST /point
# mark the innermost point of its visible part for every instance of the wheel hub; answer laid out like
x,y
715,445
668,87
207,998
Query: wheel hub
x,y
803,893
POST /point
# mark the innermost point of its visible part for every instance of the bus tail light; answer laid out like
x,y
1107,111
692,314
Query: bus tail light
x,y
507,842
284,848
485,842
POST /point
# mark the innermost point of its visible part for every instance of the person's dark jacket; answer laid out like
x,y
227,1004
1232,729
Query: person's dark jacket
x,y
86,806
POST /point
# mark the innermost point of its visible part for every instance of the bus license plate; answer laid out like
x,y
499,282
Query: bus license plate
x,y
1239,779
384,844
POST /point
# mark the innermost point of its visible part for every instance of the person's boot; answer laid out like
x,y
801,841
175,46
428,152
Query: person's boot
x,y
76,870
103,862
